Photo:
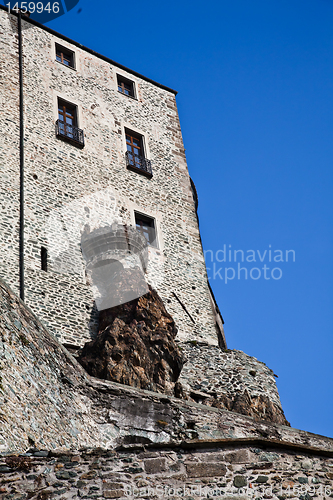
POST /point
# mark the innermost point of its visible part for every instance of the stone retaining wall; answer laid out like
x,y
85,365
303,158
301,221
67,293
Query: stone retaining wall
x,y
225,472
211,373
46,399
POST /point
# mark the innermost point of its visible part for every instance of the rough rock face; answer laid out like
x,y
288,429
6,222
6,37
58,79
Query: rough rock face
x,y
258,407
135,346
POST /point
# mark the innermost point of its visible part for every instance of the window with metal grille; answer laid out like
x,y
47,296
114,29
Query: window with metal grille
x,y
134,146
135,154
67,115
146,226
125,86
65,56
66,125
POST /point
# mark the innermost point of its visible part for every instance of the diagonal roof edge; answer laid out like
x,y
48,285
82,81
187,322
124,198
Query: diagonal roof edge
x,y
90,51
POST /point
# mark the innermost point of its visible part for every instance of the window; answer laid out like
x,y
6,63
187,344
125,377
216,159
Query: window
x,y
135,155
125,86
65,56
43,258
146,226
66,126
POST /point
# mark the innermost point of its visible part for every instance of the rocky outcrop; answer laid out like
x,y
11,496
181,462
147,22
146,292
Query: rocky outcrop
x,y
48,402
258,407
135,346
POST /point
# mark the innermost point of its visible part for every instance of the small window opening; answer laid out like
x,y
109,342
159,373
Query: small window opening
x,y
146,226
65,56
125,86
43,257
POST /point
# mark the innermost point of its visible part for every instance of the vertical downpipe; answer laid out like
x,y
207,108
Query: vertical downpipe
x,y
21,236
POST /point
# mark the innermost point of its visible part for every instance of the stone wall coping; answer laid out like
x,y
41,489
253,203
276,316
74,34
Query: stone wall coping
x,y
183,445
116,388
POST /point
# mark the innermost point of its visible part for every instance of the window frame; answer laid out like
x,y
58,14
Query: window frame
x,y
135,137
65,51
123,81
146,218
70,106
131,163
71,111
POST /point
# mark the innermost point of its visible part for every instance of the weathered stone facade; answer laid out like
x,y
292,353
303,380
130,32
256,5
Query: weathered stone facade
x,y
63,433
47,398
232,380
67,188
66,435
231,471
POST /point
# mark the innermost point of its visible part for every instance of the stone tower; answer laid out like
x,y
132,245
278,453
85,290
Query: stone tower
x,y
103,152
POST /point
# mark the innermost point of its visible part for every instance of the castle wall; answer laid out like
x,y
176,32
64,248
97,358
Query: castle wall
x,y
219,377
232,472
64,434
67,187
48,400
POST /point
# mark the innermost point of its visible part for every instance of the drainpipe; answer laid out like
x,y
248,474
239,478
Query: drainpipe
x,y
21,236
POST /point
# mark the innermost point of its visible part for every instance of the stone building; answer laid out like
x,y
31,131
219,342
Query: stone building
x,y
109,207
97,204
102,151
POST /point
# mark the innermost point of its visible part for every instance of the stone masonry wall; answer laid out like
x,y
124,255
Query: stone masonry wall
x,y
228,471
67,187
48,401
213,372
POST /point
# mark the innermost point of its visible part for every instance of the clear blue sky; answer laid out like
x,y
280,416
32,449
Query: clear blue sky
x,y
255,82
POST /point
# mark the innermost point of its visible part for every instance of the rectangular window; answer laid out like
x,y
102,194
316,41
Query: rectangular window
x,y
67,126
125,86
135,154
43,258
65,56
146,226
134,146
67,116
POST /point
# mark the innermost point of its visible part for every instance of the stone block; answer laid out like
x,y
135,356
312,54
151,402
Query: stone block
x,y
112,486
148,454
240,481
113,493
210,469
287,484
235,497
303,480
213,457
238,457
261,479
89,475
155,465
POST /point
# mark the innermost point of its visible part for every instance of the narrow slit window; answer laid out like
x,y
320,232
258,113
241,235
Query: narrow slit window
x,y
43,258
